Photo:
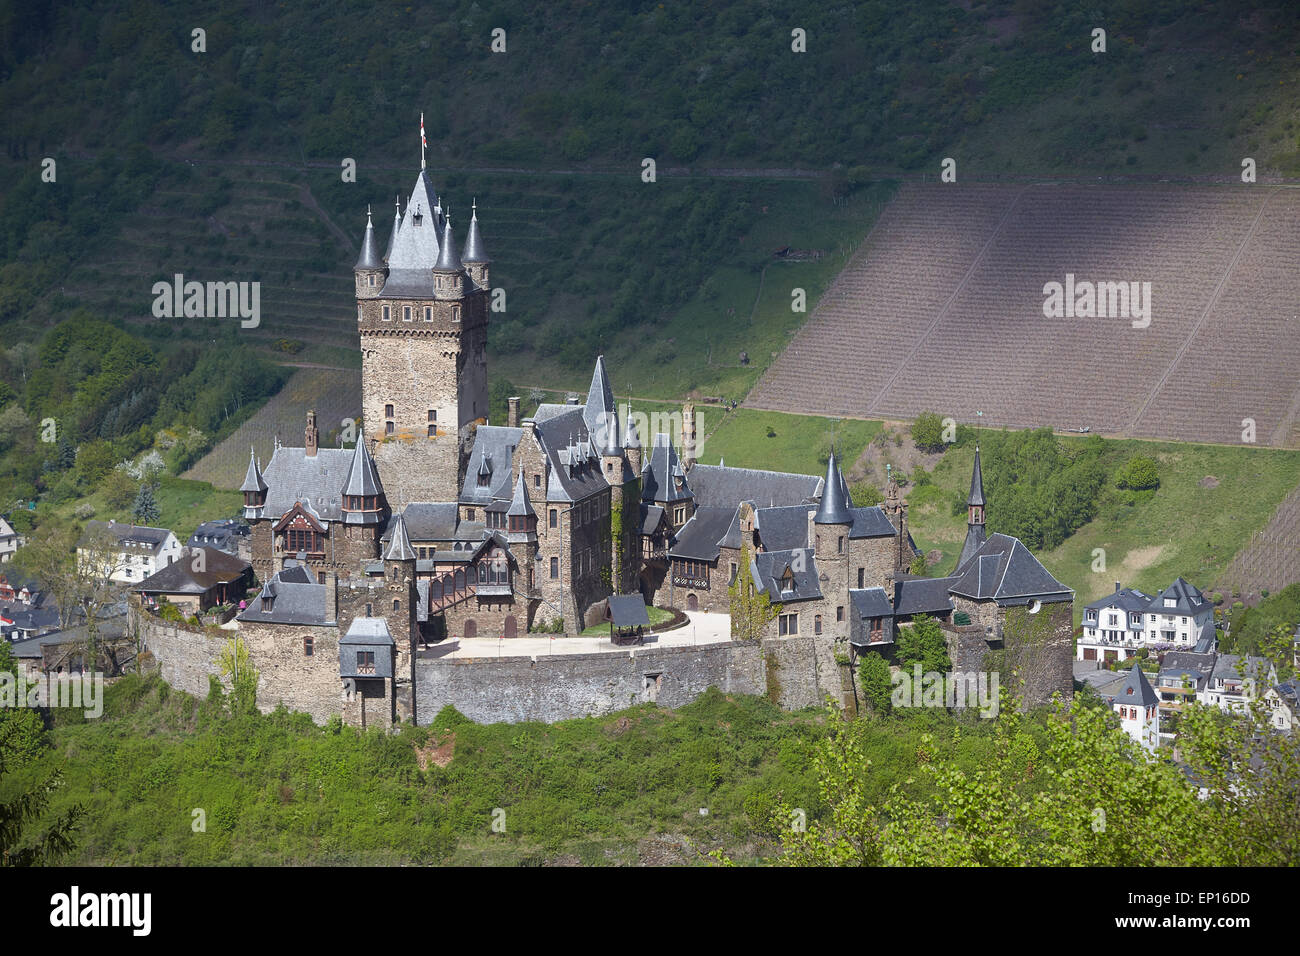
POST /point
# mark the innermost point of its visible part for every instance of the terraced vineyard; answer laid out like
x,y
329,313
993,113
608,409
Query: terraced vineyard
x,y
1272,558
942,309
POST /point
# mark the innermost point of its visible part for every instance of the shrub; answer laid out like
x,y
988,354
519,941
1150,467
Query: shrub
x,y
927,432
1139,473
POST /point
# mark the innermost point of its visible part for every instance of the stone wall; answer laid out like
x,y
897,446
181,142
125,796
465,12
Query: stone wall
x,y
548,688
184,657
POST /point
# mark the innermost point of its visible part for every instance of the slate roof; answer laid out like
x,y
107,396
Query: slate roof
x,y
475,251
782,528
871,522
651,515
628,610
397,224
369,258
363,475
367,630
315,481
293,602
1237,666
975,539
1129,600
917,595
1005,571
494,448
976,496
218,534
871,602
179,577
1187,600
399,545
1180,664
110,628
657,482
599,414
139,538
415,248
253,477
575,472
833,508
1136,690
698,539
520,505
366,633
448,257
768,567
722,485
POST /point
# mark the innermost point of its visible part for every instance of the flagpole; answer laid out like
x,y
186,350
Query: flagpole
x,y
422,140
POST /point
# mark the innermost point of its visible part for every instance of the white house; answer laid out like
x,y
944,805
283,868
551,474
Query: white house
x,y
10,540
1181,616
141,551
1284,705
1113,626
1138,708
1236,681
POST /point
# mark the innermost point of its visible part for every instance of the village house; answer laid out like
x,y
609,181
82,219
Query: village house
x,y
10,540
197,580
134,553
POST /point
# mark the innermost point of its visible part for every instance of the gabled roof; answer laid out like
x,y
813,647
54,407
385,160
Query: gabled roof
x,y
657,477
415,249
723,485
134,536
316,481
180,577
1136,690
292,601
975,539
367,631
628,610
769,570
916,595
651,516
1236,666
782,528
433,521
871,522
698,539
1179,664
871,602
834,509
1004,570
492,454
1129,600
575,470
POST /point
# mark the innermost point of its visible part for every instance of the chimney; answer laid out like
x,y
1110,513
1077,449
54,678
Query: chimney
x,y
312,435
688,436
1117,587
512,416
332,597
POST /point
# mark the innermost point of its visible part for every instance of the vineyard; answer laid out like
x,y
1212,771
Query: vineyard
x,y
1272,558
942,309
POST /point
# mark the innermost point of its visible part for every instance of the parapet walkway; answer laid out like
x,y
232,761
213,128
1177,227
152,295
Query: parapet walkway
x,y
704,628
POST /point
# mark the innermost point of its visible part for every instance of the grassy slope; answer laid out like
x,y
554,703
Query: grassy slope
x,y
182,506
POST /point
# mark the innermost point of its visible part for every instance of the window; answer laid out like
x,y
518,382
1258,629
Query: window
x,y
320,577
433,431
388,428
388,411
817,624
397,605
406,313
839,613
734,570
840,545
428,314
308,646
679,514
537,480
387,317
372,280
433,414
555,567
861,576
788,624
469,514
365,662
554,521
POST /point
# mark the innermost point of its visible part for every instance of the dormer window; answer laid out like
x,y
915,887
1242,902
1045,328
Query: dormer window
x,y
417,218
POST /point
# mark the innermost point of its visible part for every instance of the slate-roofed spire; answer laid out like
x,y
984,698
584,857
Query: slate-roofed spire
x,y
253,478
399,548
397,222
1136,689
369,258
633,440
521,505
976,496
474,248
833,508
600,414
448,259
363,476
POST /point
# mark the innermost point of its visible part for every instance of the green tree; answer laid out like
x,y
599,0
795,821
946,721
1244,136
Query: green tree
x,y
927,432
923,643
873,674
1139,473
145,509
237,667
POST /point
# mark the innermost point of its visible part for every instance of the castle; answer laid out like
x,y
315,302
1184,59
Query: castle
x,y
441,525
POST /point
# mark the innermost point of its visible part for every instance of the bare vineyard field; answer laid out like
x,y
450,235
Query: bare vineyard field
x,y
334,394
1272,558
942,309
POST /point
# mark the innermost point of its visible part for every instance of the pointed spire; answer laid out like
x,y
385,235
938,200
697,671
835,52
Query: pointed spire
x,y
397,221
976,496
448,260
521,504
633,440
369,258
399,548
474,248
600,413
833,508
363,476
253,479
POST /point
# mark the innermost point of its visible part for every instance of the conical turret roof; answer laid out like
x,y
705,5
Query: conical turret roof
x,y
521,504
369,258
976,496
448,259
363,476
474,248
253,478
833,508
399,548
397,224
599,413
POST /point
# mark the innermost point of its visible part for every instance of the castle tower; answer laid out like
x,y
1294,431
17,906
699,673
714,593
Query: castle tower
x,y
688,436
975,534
399,610
365,507
423,357
311,435
632,446
475,256
831,523
896,511
369,271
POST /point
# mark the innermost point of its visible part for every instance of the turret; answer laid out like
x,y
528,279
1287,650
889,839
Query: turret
x,y
448,273
254,489
363,493
688,436
476,258
397,222
369,270
831,523
311,435
975,532
632,447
